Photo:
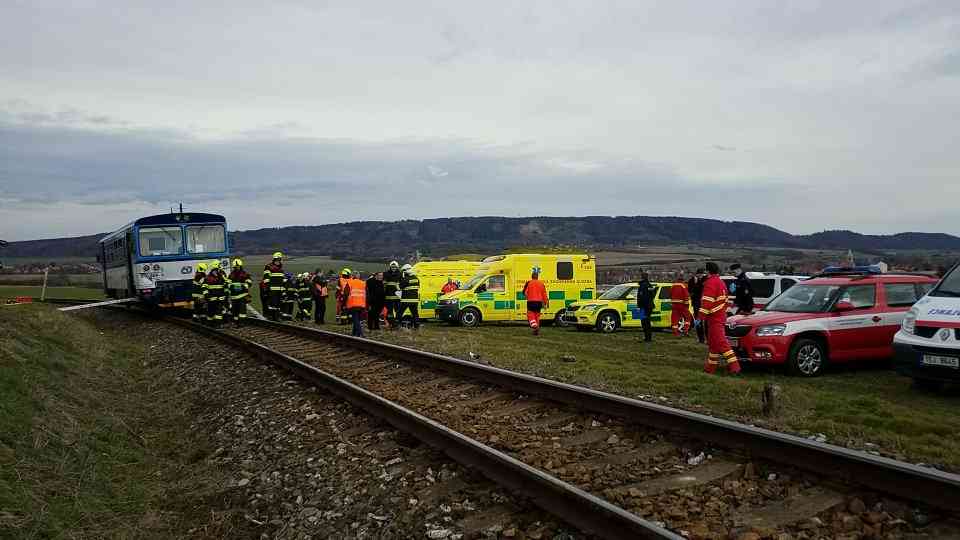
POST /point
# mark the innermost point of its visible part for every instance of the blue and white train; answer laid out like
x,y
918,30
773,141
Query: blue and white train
x,y
154,258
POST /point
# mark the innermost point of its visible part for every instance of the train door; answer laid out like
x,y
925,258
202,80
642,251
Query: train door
x,y
131,254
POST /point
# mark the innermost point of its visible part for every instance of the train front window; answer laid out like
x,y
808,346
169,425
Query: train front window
x,y
157,241
206,239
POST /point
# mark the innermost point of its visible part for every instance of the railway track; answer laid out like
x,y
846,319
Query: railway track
x,y
613,466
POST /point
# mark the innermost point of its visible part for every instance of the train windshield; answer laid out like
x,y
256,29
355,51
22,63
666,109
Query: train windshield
x,y
206,239
158,241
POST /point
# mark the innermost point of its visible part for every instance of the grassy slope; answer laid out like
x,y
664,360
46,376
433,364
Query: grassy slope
x,y
78,293
850,406
90,445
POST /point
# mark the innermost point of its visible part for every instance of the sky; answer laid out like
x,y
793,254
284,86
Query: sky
x,y
802,115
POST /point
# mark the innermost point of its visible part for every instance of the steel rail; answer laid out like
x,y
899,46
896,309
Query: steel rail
x,y
567,502
924,484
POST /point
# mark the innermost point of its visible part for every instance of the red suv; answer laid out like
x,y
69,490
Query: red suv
x,y
836,317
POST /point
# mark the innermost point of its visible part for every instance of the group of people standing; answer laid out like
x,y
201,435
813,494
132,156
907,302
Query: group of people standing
x,y
707,292
218,297
386,295
289,297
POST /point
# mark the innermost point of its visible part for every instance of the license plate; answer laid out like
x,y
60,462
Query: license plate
x,y
947,361
734,342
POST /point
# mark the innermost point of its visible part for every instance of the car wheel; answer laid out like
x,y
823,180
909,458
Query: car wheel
x,y
607,322
470,317
807,358
558,319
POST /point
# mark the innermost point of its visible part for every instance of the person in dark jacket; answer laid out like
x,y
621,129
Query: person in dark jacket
x,y
391,291
695,286
375,300
743,291
320,293
645,298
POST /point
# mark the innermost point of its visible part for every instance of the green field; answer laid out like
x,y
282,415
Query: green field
x,y
73,293
855,407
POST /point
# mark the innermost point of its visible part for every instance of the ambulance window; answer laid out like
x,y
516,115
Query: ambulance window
x,y
632,293
497,283
564,270
664,293
900,294
786,283
762,288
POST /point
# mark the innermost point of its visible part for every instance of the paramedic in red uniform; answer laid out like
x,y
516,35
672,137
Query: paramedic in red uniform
x,y
679,307
537,300
713,312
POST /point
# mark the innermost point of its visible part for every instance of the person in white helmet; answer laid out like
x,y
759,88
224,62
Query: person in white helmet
x,y
410,295
391,292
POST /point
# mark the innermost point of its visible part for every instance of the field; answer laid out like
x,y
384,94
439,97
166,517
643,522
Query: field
x,y
73,293
864,407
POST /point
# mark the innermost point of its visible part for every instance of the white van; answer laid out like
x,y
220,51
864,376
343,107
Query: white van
x,y
927,347
766,287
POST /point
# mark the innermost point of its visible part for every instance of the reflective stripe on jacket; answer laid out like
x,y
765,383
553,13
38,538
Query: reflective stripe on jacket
x,y
410,286
213,288
198,280
391,284
274,276
713,303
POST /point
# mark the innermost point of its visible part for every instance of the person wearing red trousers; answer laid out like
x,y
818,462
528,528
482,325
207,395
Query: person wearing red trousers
x,y
537,300
679,307
713,312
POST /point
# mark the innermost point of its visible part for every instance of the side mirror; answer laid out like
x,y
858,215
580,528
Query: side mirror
x,y
844,306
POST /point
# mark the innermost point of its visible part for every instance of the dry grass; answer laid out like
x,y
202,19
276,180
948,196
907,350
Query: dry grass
x,y
93,441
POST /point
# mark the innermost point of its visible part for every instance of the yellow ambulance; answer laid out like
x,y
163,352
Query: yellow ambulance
x,y
433,276
495,292
617,308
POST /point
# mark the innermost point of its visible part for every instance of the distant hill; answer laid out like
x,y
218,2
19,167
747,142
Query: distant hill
x,y
377,240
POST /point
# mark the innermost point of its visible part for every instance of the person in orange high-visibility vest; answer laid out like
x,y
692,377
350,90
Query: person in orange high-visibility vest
x,y
537,300
680,318
713,312
355,301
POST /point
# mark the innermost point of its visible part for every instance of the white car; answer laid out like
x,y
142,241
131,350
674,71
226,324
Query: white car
x,y
927,347
766,287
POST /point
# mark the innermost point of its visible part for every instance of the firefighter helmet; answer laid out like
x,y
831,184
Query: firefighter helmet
x,y
237,262
345,272
215,265
394,264
201,267
406,268
277,255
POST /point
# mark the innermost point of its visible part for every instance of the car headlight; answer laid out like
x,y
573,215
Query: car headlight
x,y
909,324
771,330
590,307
